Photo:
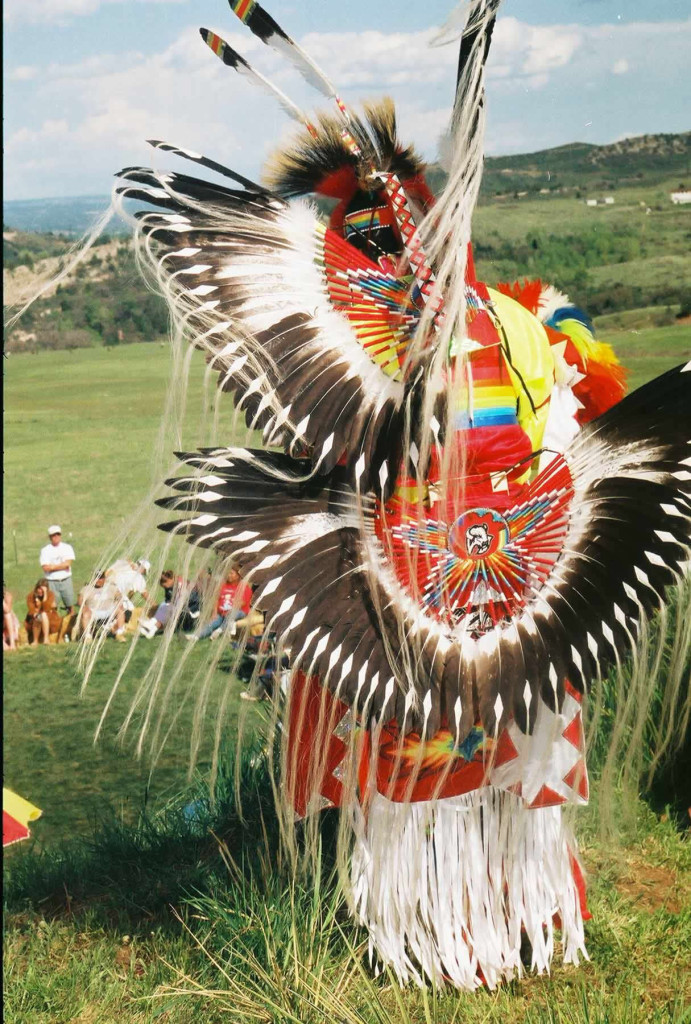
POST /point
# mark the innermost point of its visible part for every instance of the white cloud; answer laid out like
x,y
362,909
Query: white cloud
x,y
23,73
95,114
620,67
113,103
519,49
44,12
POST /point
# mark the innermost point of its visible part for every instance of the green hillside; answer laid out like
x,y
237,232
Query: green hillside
x,y
633,253
645,159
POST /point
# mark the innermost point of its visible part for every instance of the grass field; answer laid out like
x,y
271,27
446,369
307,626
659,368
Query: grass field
x,y
80,449
101,943
513,218
81,432
50,755
91,936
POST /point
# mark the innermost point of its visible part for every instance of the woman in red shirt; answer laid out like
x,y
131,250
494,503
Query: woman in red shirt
x,y
233,603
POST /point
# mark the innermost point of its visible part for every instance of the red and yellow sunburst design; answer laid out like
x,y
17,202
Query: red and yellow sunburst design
x,y
485,558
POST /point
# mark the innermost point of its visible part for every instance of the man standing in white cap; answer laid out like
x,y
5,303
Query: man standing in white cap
x,y
56,562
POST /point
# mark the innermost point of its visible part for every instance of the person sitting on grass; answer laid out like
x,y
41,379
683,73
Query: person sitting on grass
x,y
193,603
173,592
42,617
10,622
233,603
130,579
101,604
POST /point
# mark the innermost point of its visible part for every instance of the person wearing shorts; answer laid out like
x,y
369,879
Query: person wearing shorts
x,y
56,562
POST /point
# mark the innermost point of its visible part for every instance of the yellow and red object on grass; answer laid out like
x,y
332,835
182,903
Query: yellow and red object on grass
x,y
16,815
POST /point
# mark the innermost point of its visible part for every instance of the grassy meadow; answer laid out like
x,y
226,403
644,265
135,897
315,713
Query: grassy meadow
x,y
81,449
140,918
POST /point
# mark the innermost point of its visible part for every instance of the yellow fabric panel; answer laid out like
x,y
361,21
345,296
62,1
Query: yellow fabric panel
x,y
410,493
19,808
531,356
492,397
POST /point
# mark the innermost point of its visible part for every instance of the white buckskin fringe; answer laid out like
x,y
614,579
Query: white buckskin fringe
x,y
445,887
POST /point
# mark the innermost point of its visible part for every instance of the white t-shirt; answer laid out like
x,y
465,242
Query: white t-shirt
x,y
128,580
53,554
101,601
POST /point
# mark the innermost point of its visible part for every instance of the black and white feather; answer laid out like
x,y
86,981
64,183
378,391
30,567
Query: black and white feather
x,y
326,585
241,270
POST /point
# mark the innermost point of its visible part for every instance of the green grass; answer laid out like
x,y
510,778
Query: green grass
x,y
80,432
49,729
649,351
80,449
666,224
653,271
245,940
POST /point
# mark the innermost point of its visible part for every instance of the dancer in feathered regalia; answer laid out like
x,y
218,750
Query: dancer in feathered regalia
x,y
461,522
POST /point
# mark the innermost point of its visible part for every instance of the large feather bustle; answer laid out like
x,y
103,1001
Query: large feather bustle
x,y
621,496
327,166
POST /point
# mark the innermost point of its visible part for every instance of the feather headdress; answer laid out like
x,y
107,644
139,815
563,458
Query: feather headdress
x,y
326,164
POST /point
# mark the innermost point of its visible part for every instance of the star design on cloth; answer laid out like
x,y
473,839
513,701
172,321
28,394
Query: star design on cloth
x,y
549,766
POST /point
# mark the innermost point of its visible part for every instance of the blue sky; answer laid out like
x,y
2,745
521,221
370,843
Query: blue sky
x,y
87,81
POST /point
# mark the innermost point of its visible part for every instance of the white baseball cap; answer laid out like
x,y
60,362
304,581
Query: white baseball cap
x,y
54,529
145,564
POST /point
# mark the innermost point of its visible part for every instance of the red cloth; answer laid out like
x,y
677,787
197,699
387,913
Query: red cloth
x,y
234,595
310,752
12,830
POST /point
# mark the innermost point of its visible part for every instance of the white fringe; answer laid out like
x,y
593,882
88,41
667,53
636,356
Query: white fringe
x,y
447,888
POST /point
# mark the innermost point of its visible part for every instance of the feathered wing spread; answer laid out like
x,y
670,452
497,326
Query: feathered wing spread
x,y
592,544
423,610
312,339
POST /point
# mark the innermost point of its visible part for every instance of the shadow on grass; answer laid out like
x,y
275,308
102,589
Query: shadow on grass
x,y
128,874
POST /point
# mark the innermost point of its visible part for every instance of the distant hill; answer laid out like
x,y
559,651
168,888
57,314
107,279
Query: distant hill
x,y
645,159
71,215
578,167
583,168
630,254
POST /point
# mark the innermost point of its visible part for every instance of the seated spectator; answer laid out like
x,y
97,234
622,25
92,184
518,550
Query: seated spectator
x,y
173,595
101,604
42,617
10,622
261,651
193,607
182,604
233,603
130,579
